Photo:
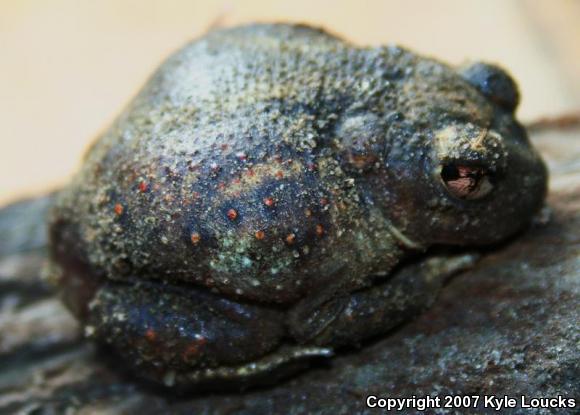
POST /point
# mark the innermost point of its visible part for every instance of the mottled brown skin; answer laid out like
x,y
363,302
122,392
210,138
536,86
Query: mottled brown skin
x,y
248,210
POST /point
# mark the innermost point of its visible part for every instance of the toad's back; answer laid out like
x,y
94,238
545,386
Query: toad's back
x,y
225,171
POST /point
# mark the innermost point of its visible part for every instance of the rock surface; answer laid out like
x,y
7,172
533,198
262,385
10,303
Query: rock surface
x,y
508,327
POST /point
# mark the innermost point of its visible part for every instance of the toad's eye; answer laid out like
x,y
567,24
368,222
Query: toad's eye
x,y
493,82
467,182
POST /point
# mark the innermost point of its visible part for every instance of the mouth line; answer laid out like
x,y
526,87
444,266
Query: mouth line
x,y
404,240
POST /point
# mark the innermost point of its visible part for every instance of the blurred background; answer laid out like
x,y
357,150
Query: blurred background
x,y
67,67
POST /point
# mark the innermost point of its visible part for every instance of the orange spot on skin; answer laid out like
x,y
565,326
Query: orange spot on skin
x,y
194,348
319,230
250,172
150,335
232,214
195,238
221,185
236,180
260,235
118,209
279,174
143,186
290,238
269,201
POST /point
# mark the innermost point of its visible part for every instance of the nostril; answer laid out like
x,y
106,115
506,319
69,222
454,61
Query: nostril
x,y
467,182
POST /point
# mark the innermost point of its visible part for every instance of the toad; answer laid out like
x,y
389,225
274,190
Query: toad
x,y
275,193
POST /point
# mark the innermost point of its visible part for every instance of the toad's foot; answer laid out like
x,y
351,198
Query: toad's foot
x,y
184,336
283,362
345,319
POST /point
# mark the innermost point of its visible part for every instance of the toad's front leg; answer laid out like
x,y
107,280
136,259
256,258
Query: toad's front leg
x,y
346,319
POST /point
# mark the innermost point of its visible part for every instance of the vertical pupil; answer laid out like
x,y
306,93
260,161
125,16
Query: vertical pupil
x,y
449,173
